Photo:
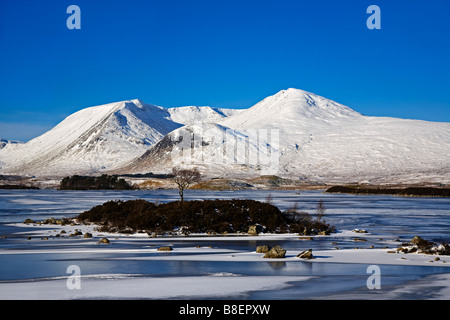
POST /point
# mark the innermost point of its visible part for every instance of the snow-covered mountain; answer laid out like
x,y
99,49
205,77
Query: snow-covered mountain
x,y
100,138
298,134
294,133
9,143
191,114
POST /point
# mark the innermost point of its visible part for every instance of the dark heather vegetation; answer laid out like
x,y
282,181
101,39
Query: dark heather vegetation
x,y
410,191
207,216
104,182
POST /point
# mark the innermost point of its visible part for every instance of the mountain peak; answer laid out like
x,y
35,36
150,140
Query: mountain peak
x,y
137,102
287,106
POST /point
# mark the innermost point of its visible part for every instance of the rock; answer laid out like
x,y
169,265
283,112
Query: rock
x,y
262,249
49,221
165,249
87,235
307,254
306,238
275,253
420,242
444,249
104,240
27,221
359,231
77,232
254,229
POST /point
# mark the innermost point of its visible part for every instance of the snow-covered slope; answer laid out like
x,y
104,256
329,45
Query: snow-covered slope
x,y
193,114
9,143
95,138
295,133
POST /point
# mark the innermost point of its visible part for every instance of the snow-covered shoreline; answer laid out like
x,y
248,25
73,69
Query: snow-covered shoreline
x,y
381,256
140,248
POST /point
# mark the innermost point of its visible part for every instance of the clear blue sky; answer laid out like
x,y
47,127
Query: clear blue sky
x,y
229,53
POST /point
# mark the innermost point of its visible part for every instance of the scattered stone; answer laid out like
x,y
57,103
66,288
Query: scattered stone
x,y
165,248
420,242
421,245
262,249
87,235
275,253
306,238
254,229
359,239
359,231
77,232
29,238
49,221
306,254
104,240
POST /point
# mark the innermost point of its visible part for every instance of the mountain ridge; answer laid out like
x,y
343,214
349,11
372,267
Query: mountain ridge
x,y
319,141
94,139
293,133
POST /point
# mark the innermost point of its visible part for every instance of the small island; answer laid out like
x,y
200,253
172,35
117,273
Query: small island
x,y
103,182
206,216
402,192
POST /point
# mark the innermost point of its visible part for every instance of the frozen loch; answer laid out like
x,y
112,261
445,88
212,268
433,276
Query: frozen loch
x,y
44,262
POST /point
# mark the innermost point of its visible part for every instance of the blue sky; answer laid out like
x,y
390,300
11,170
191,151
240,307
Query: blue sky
x,y
220,53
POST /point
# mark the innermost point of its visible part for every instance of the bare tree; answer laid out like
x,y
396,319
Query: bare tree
x,y
184,178
320,210
269,198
